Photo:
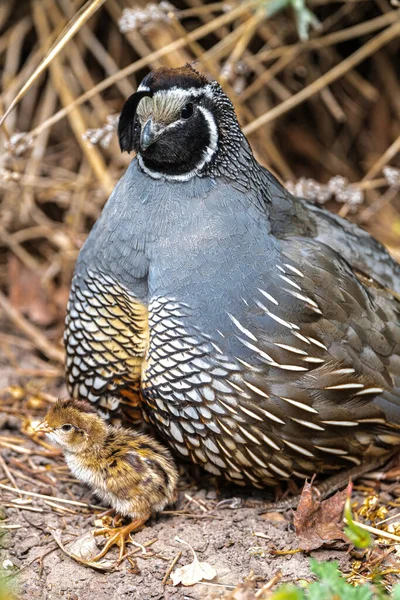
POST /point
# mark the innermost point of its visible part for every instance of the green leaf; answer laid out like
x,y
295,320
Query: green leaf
x,y
396,593
359,537
288,592
331,585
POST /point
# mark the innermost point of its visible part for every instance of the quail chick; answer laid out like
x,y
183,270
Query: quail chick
x,y
259,333
130,471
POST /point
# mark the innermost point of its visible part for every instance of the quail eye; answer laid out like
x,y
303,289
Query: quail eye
x,y
187,111
66,427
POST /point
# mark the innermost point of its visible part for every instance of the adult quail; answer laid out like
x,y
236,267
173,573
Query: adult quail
x,y
259,332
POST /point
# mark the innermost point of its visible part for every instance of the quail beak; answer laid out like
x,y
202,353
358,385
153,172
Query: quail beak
x,y
43,427
149,134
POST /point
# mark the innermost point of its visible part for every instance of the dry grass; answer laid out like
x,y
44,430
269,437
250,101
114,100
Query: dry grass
x,y
316,108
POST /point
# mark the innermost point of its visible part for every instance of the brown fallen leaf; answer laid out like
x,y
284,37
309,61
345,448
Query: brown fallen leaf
x,y
319,523
193,572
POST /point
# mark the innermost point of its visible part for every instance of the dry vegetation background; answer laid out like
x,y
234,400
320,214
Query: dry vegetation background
x,y
323,113
324,110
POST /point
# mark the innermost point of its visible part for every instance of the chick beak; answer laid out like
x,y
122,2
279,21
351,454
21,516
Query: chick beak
x,y
149,134
43,427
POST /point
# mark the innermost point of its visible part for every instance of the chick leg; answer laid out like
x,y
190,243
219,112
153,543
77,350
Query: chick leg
x,y
118,537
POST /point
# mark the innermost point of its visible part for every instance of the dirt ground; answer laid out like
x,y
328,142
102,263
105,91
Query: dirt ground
x,y
234,541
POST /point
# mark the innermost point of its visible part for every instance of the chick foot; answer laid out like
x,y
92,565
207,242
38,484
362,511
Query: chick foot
x,y
118,536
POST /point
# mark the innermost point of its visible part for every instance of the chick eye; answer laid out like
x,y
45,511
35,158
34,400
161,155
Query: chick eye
x,y
187,111
66,427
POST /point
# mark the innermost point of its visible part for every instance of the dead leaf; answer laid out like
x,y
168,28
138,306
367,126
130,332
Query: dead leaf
x,y
193,572
84,547
81,550
319,523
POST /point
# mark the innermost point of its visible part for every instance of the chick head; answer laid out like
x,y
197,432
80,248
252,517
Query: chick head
x,y
73,425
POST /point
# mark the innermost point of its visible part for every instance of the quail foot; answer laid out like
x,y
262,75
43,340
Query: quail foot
x,y
131,472
258,332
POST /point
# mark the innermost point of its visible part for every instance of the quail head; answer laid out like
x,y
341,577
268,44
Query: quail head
x,y
130,471
258,332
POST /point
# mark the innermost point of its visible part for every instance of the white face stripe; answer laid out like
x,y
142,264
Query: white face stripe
x,y
207,154
212,127
206,90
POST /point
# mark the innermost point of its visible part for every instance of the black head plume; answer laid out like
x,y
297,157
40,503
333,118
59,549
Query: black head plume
x,y
127,120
